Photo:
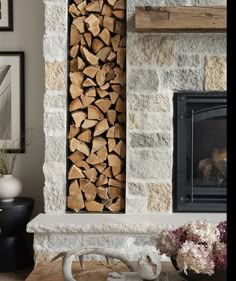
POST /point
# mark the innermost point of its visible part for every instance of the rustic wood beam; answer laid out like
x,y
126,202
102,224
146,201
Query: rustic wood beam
x,y
180,19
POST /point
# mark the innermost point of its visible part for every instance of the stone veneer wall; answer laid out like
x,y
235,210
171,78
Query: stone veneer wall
x,y
157,65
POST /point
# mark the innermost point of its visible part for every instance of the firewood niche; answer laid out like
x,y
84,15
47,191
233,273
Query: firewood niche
x,y
97,106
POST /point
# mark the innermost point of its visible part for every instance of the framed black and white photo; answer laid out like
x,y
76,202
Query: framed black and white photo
x,y
12,101
6,15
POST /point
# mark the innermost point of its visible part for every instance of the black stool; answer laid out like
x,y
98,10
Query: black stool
x,y
14,216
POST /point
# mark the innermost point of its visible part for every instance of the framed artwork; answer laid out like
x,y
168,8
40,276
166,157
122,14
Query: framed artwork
x,y
12,121
6,15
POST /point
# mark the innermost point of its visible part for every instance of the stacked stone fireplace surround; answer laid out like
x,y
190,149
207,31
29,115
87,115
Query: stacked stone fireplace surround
x,y
158,64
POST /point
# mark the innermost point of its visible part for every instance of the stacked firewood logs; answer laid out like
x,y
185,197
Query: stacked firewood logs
x,y
97,107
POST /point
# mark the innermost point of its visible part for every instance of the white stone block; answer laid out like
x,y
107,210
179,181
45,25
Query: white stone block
x,y
183,79
55,174
138,79
55,48
54,99
156,122
55,123
211,2
148,102
150,49
55,149
200,43
150,164
136,204
55,17
54,196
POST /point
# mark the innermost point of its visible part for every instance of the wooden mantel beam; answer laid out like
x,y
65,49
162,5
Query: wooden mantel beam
x,y
180,19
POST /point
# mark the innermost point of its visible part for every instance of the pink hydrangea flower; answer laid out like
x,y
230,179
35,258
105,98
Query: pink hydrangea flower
x,y
222,226
201,231
220,255
195,257
198,246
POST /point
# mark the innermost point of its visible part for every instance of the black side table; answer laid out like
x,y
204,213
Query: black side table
x,y
14,217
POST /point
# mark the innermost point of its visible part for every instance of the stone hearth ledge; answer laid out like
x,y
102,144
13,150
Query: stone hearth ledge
x,y
114,223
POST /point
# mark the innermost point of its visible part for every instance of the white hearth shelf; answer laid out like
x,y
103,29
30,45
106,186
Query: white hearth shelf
x,y
114,223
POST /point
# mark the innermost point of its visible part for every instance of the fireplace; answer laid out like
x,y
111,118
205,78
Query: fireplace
x,y
157,65
200,168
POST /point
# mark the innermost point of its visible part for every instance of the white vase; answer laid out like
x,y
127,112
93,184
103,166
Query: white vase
x,y
10,187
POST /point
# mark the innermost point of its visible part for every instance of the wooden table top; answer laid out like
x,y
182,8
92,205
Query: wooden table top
x,y
97,271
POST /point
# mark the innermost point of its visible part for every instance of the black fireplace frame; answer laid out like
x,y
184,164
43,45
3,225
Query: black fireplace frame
x,y
180,201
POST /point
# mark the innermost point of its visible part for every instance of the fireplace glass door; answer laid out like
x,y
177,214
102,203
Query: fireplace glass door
x,y
200,176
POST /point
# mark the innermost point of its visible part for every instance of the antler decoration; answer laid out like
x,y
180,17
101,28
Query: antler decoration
x,y
69,256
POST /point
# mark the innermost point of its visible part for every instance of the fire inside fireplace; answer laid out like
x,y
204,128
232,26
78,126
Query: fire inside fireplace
x,y
200,170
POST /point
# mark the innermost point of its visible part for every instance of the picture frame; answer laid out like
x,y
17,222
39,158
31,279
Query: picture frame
x,y
6,15
12,100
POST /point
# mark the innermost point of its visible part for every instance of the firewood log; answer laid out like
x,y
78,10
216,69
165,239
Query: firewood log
x,y
82,164
76,156
86,136
93,159
74,51
91,174
94,113
87,100
114,96
91,71
107,172
103,104
120,5
91,92
82,7
89,124
83,183
100,167
116,183
97,45
101,127
100,78
114,160
111,144
74,12
106,10
115,41
75,202
74,188
102,192
120,14
114,192
78,117
73,131
75,173
105,36
109,23
76,78
74,36
75,91
90,192
93,206
118,205
79,24
120,149
102,180
93,7
98,143
111,116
